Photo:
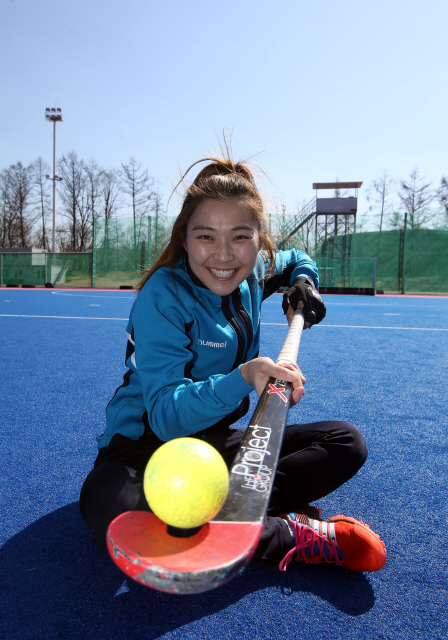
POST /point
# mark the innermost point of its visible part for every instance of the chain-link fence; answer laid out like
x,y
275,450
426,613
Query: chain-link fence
x,y
411,262
38,269
122,247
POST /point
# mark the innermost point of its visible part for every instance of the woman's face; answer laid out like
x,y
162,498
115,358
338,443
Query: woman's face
x,y
222,244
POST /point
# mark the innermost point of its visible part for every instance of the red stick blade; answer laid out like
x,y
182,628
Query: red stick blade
x,y
140,546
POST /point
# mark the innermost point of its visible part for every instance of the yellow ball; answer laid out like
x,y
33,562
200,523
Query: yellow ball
x,y
186,482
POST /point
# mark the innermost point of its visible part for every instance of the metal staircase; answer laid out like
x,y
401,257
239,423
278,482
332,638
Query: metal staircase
x,y
297,222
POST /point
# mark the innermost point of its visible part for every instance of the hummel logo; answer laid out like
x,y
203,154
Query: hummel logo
x,y
207,343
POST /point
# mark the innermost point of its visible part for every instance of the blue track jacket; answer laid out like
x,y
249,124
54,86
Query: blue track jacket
x,y
185,348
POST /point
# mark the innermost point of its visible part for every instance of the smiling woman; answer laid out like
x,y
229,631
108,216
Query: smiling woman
x,y
193,339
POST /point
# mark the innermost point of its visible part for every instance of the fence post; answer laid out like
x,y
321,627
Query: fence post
x,y
94,254
402,256
1,269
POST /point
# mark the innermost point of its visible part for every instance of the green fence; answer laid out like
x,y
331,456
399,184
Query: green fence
x,y
415,262
63,269
346,272
120,267
123,246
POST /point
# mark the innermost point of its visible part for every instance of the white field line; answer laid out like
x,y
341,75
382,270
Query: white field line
x,y
86,295
277,324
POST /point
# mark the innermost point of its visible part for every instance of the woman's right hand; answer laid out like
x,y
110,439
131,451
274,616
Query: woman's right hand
x,y
258,371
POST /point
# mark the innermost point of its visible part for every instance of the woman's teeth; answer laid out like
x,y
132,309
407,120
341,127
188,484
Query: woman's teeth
x,y
221,273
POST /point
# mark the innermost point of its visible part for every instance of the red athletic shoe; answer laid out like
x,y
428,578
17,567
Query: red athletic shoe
x,y
341,540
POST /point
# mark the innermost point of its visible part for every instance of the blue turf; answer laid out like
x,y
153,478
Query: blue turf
x,y
59,373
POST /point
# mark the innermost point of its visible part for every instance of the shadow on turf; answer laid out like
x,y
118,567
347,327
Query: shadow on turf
x,y
57,583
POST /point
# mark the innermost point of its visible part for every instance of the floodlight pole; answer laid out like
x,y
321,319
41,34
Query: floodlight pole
x,y
54,115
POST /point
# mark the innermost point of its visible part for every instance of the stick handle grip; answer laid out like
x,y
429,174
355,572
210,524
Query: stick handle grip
x,y
290,349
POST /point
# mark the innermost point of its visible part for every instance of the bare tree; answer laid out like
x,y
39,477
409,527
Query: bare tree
x,y
85,226
110,192
64,240
17,222
416,198
340,193
362,221
396,220
158,211
379,196
138,186
4,211
93,175
42,205
73,192
157,204
109,205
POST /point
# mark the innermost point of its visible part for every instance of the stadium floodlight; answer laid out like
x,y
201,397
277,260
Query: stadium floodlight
x,y
54,116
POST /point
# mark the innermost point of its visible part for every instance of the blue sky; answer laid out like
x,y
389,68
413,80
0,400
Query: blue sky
x,y
321,90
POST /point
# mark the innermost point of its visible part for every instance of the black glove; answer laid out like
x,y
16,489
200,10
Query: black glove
x,y
313,307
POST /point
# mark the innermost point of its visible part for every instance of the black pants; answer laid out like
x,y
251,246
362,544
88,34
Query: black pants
x,y
315,460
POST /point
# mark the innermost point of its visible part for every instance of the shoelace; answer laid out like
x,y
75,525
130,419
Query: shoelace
x,y
307,538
